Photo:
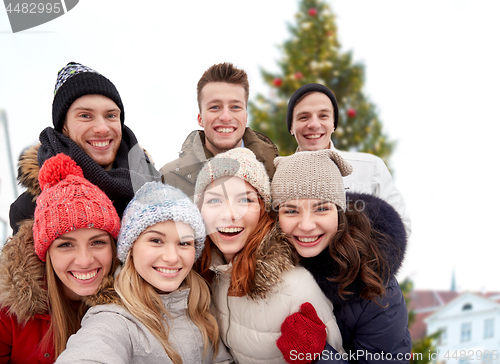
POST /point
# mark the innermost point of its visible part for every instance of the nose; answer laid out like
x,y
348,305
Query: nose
x,y
100,126
307,223
169,253
225,115
313,122
228,214
84,258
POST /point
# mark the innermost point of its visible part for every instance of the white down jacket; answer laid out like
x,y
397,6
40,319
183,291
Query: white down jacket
x,y
250,326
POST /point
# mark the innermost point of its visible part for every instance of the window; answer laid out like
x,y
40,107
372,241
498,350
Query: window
x,y
489,328
466,332
467,307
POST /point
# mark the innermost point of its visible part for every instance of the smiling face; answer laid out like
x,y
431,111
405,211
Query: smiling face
x,y
231,212
164,254
93,123
223,115
310,222
313,122
81,259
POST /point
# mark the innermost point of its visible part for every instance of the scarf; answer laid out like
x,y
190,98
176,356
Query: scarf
x,y
131,168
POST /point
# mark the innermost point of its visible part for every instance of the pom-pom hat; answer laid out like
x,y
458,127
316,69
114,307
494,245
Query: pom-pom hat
x,y
237,162
156,202
69,202
76,80
310,175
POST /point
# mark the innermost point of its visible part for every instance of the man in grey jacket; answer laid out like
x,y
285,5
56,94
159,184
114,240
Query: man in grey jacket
x,y
222,100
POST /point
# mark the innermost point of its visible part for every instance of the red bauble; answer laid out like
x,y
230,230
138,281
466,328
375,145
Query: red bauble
x,y
313,12
351,113
277,82
298,75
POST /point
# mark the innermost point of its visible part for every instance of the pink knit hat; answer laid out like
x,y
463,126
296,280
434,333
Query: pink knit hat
x,y
69,202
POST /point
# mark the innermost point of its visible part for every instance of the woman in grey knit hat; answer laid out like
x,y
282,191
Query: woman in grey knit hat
x,y
353,245
255,284
158,309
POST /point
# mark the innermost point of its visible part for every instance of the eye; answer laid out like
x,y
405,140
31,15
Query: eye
x,y
215,107
213,201
156,240
112,116
84,116
289,211
187,243
247,200
99,242
65,245
323,209
236,107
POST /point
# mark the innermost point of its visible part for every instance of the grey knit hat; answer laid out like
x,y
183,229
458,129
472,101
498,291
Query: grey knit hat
x,y
314,175
76,80
156,202
238,162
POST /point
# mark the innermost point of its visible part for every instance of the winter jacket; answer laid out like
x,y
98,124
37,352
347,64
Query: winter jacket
x,y
132,168
24,315
370,327
111,334
370,175
250,325
183,171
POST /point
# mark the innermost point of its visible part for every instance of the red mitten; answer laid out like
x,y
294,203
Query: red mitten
x,y
303,334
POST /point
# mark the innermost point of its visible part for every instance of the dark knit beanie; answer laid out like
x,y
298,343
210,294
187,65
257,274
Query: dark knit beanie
x,y
311,87
76,80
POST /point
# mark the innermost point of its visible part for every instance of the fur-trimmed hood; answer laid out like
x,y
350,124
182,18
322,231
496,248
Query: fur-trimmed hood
x,y
22,276
27,172
274,256
385,220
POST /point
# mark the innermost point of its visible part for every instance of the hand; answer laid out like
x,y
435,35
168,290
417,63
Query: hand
x,y
303,334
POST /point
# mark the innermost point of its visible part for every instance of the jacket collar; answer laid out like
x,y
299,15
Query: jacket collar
x,y
274,256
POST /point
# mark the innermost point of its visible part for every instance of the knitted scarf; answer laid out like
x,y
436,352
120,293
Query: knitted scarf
x,y
131,168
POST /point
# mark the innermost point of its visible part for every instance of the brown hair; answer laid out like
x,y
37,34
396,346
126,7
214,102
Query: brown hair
x,y
244,262
357,249
64,317
223,72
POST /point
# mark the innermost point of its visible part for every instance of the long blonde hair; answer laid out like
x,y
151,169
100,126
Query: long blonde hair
x,y
144,303
65,319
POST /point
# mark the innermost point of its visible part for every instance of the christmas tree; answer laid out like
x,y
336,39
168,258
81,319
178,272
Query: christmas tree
x,y
313,54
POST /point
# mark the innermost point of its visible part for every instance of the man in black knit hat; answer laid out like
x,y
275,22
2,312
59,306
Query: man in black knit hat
x,y
88,118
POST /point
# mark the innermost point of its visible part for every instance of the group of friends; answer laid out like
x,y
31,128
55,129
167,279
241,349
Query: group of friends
x,y
228,254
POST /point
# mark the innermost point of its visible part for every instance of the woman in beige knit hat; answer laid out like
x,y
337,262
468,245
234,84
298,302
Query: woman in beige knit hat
x,y
255,284
353,245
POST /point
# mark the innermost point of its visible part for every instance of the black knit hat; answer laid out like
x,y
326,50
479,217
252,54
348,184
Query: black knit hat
x,y
76,80
311,87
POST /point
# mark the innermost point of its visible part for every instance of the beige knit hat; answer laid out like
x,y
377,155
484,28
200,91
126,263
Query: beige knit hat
x,y
315,175
238,162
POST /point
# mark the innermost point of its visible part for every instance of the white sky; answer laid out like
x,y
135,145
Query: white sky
x,y
432,68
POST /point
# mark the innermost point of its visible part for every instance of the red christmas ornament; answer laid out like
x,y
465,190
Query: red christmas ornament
x,y
313,12
277,82
351,113
298,75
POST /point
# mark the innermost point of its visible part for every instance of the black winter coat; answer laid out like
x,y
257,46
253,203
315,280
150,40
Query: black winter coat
x,y
369,329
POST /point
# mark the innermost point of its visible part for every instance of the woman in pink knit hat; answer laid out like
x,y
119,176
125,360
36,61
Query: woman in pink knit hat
x,y
65,253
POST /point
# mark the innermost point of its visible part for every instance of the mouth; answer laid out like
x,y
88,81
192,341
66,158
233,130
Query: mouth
x,y
167,270
313,136
308,241
230,231
225,130
85,276
100,144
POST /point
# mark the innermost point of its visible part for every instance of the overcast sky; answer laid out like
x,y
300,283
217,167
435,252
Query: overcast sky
x,y
432,69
